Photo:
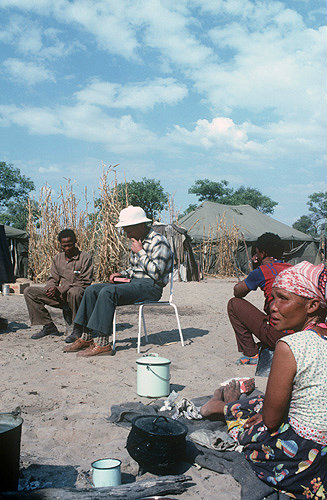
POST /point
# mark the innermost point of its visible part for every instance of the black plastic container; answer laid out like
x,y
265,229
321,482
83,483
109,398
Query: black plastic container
x,y
10,434
157,444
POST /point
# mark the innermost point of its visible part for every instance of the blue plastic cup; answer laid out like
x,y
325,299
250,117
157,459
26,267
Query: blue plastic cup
x,y
106,472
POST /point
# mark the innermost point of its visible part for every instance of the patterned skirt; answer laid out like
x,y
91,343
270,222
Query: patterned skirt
x,y
282,459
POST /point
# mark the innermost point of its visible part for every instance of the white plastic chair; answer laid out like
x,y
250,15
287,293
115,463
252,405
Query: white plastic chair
x,y
142,319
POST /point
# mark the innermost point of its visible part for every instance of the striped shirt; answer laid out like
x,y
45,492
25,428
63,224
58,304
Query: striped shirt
x,y
154,261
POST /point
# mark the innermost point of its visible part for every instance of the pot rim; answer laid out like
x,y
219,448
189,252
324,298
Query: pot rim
x,y
160,436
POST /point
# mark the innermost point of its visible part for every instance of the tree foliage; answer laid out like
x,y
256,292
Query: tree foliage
x,y
313,222
220,192
207,190
14,190
318,207
147,193
189,209
304,224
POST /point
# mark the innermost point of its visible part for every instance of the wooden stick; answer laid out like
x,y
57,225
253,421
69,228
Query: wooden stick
x,y
250,266
131,491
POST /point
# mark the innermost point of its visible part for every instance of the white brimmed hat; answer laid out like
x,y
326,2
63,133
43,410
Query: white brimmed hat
x,y
132,215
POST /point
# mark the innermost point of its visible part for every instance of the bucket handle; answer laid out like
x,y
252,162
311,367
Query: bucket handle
x,y
161,378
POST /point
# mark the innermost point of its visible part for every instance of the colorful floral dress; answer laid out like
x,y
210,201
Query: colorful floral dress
x,y
292,459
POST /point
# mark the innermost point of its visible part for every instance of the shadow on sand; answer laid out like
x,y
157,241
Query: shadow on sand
x,y
160,338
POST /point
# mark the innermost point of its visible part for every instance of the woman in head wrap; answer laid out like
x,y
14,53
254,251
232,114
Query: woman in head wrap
x,y
284,434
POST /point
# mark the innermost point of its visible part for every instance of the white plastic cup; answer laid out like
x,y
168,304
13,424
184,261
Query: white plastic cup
x,y
106,472
5,290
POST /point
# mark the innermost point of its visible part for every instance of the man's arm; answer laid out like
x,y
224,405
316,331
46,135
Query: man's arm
x,y
156,260
51,286
54,277
241,289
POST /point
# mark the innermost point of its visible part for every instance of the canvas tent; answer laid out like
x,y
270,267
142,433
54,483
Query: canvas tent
x,y
18,247
250,224
185,266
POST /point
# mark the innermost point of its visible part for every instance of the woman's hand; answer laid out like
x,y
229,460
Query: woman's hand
x,y
255,419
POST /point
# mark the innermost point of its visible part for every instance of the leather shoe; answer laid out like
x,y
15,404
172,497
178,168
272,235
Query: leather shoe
x,y
71,338
78,345
49,329
76,334
97,350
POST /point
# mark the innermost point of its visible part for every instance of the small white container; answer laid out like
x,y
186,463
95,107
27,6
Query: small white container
x,y
153,376
5,289
106,472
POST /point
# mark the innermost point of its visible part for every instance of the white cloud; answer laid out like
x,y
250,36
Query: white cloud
x,y
220,133
142,95
51,169
82,122
27,72
41,42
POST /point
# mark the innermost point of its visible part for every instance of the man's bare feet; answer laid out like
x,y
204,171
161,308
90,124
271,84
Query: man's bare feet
x,y
215,405
232,391
249,385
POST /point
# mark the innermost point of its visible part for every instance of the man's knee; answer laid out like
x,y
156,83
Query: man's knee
x,y
32,292
75,292
231,304
235,304
107,291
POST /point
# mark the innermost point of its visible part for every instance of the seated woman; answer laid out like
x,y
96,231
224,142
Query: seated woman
x,y
284,434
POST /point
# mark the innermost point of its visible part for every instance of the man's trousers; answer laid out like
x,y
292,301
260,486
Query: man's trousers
x,y
36,300
247,321
99,302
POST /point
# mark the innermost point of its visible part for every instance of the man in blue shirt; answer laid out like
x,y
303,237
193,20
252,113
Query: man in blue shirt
x,y
245,318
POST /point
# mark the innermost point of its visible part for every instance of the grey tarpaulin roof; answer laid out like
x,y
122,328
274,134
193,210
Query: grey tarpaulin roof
x,y
249,221
15,234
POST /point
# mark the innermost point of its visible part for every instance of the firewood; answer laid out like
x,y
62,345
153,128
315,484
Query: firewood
x,y
162,485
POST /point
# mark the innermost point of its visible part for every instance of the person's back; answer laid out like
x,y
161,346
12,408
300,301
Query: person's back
x,y
247,320
263,277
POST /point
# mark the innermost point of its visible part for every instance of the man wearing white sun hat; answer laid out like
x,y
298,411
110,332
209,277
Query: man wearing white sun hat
x,y
150,265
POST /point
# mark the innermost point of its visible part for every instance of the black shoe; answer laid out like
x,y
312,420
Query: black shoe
x,y
76,334
3,325
49,329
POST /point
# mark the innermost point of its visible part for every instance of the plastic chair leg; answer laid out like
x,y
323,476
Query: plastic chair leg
x,y
178,323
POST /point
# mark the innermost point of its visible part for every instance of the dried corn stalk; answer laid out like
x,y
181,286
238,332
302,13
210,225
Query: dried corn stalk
x,y
95,234
218,247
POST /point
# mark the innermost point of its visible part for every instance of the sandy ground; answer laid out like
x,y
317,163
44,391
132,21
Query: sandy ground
x,y
65,400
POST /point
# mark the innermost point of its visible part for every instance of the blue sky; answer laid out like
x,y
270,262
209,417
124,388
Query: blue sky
x,y
171,90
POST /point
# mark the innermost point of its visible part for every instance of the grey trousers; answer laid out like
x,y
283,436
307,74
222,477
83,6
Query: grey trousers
x,y
99,302
36,300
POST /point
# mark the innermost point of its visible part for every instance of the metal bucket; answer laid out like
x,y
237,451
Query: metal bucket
x,y
10,434
153,376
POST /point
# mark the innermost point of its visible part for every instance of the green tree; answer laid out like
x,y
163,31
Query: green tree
x,y
304,224
14,190
252,197
147,193
314,221
207,190
219,192
189,209
318,207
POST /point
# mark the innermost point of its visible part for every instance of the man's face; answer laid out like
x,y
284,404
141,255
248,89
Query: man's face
x,y
68,245
259,256
136,231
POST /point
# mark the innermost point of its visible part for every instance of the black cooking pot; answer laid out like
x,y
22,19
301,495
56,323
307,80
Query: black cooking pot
x,y
157,444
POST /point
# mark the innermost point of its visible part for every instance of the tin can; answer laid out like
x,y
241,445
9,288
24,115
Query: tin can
x,y
5,289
